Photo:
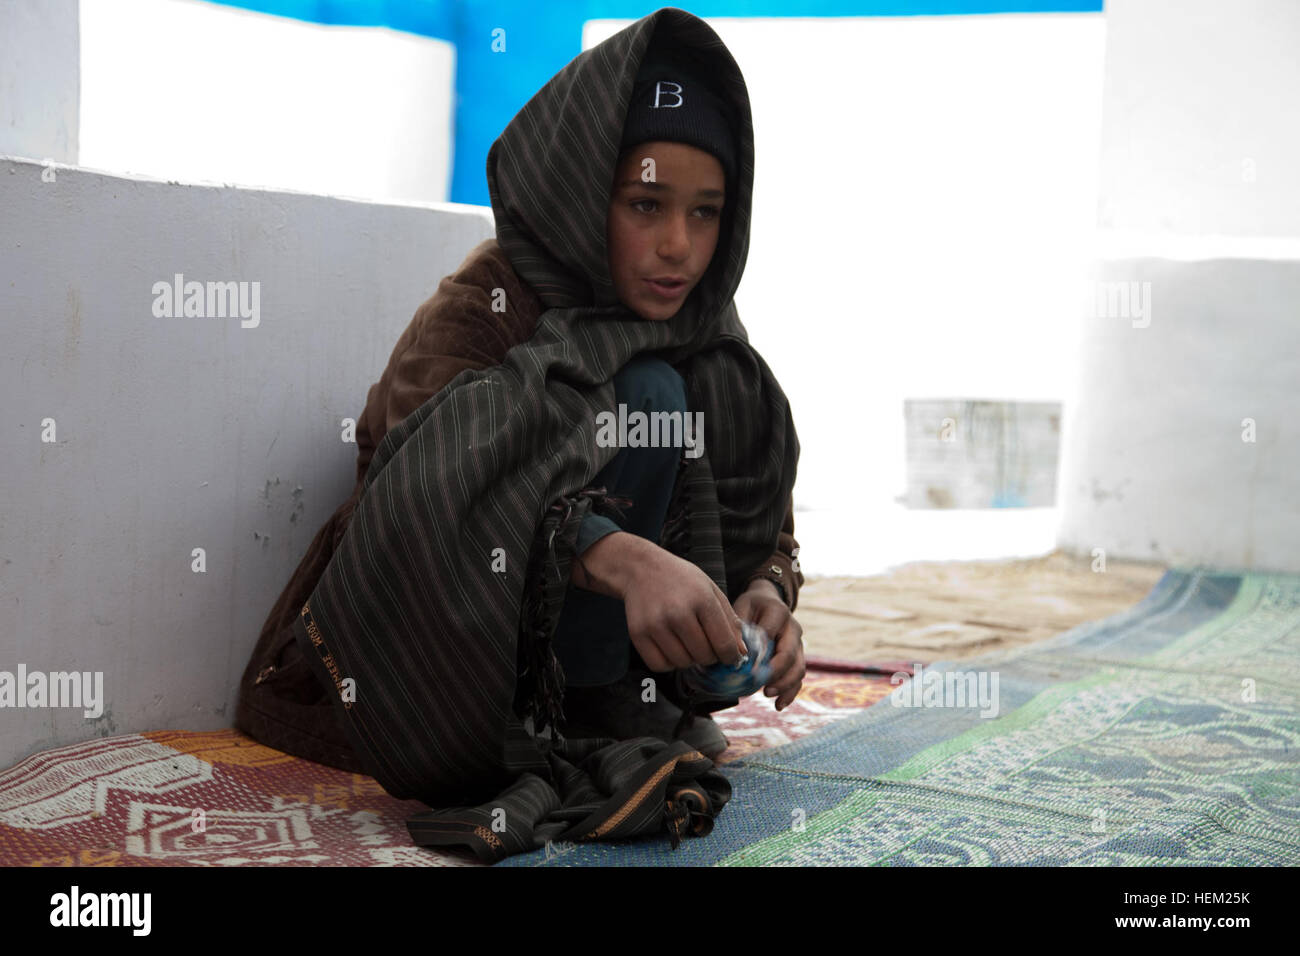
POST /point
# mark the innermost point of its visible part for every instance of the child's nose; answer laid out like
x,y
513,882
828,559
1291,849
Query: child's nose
x,y
674,241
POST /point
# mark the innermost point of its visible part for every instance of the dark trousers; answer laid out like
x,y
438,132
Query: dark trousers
x,y
591,639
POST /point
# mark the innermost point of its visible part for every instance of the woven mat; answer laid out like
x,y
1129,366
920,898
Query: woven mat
x,y
219,798
1168,734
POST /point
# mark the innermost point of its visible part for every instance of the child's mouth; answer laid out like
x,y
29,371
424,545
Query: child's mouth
x,y
668,290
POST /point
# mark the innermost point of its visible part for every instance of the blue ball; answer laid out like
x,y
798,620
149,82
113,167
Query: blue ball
x,y
747,677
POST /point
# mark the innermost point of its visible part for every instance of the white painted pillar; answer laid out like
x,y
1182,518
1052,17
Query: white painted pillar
x,y
1182,442
40,79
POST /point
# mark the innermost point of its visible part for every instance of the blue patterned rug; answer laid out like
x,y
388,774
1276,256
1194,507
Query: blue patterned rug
x,y
1168,734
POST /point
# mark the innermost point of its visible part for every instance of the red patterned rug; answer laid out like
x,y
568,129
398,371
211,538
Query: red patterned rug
x,y
219,798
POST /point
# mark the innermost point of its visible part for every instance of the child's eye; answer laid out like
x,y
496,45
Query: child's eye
x,y
710,212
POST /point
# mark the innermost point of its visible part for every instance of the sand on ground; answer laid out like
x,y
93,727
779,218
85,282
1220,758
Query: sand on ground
x,y
948,610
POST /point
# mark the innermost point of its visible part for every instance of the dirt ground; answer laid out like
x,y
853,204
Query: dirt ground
x,y
948,610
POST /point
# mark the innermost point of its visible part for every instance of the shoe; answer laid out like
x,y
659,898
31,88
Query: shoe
x,y
617,710
705,736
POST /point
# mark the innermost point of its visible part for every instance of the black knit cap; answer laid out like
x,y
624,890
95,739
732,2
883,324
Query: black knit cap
x,y
672,100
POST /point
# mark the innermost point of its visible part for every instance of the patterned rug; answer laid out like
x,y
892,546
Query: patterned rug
x,y
1168,734
219,798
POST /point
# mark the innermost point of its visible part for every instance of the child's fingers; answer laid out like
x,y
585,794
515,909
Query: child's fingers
x,y
788,697
789,647
788,686
722,625
787,666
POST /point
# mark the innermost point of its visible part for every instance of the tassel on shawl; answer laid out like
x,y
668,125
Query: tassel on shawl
x,y
676,535
688,705
540,691
688,811
676,539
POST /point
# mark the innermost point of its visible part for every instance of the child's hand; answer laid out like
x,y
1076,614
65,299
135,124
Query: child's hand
x,y
676,615
762,605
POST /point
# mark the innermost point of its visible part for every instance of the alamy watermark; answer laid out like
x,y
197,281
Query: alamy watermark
x,y
55,689
930,688
559,847
76,908
1120,300
213,300
651,430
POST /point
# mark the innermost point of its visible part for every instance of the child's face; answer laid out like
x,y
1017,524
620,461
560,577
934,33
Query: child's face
x,y
663,229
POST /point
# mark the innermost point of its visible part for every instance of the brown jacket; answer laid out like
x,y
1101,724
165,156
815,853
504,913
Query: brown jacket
x,y
281,704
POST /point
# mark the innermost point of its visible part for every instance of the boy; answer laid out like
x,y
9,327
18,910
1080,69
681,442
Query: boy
x,y
663,229
469,623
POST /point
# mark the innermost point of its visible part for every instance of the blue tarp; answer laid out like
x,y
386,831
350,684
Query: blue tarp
x,y
541,38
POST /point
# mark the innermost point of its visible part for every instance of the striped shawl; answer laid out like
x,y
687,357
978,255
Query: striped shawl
x,y
433,618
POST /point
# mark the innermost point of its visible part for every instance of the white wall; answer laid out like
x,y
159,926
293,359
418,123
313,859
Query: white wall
x,y
180,433
1200,207
1157,467
39,79
1201,130
925,188
925,192
180,89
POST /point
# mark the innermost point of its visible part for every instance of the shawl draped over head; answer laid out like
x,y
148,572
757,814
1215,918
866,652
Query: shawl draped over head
x,y
434,616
